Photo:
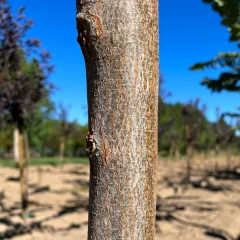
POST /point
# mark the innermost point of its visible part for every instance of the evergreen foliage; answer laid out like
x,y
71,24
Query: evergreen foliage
x,y
229,80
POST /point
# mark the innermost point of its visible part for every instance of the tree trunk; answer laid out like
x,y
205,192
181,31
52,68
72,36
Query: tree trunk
x,y
229,158
62,148
119,41
177,152
15,144
39,170
23,176
205,154
189,153
174,151
26,147
217,149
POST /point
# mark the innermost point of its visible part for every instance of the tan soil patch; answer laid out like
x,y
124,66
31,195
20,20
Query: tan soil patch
x,y
59,203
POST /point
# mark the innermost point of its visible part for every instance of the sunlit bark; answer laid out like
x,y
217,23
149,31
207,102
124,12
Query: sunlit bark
x,y
119,41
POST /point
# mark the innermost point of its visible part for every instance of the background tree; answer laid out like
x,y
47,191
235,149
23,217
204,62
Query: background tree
x,y
192,119
173,136
119,42
229,80
77,143
65,129
19,92
224,133
38,124
164,124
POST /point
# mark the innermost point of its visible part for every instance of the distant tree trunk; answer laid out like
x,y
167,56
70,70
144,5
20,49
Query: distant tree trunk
x,y
189,165
62,148
174,150
39,170
229,158
26,147
177,152
189,153
205,153
23,175
217,149
16,144
119,40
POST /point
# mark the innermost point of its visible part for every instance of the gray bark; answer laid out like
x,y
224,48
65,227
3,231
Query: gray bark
x,y
119,41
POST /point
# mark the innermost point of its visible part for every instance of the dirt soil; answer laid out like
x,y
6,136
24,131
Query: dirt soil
x,y
206,207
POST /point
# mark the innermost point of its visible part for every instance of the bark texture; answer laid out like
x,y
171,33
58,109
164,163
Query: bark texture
x,y
119,41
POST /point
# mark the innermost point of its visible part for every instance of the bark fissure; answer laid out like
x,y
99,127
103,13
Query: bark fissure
x,y
119,40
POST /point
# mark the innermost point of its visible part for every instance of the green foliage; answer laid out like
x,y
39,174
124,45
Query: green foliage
x,y
43,109
170,117
232,115
43,161
48,137
37,123
229,11
230,60
229,80
6,140
77,141
66,128
44,135
173,119
24,67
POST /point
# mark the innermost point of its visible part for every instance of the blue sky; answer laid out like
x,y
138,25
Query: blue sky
x,y
189,32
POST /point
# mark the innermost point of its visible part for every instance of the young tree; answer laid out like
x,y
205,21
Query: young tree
x,y
37,123
119,41
164,125
192,117
20,90
65,130
78,141
224,135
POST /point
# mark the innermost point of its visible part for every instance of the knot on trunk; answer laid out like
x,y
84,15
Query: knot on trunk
x,y
89,31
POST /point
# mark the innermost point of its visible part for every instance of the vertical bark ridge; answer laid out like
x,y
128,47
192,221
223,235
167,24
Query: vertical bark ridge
x,y
119,40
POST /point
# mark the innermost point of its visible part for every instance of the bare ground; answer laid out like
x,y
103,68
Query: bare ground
x,y
207,207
